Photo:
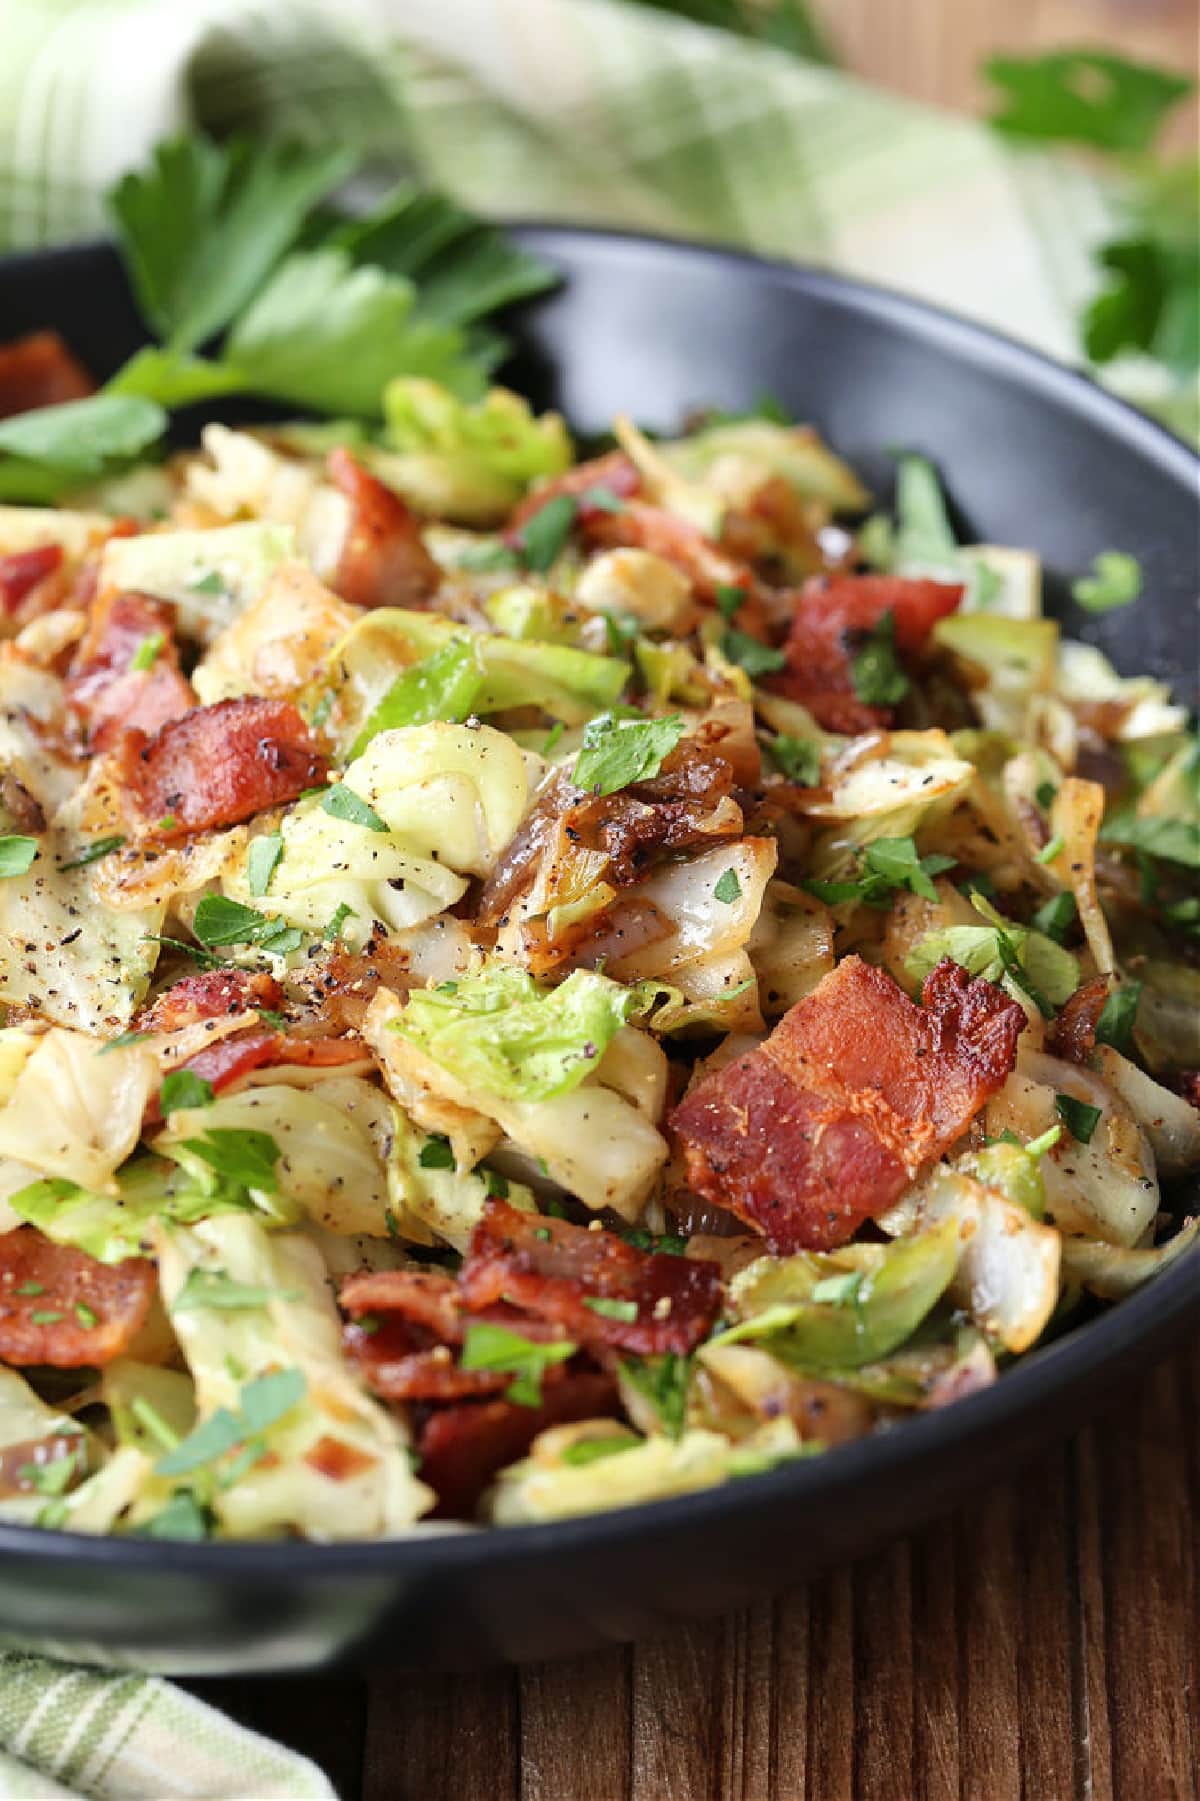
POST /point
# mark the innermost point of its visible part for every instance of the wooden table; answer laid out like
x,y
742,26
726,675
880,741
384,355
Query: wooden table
x,y
1041,1643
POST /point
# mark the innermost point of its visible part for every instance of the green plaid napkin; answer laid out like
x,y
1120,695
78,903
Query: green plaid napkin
x,y
569,109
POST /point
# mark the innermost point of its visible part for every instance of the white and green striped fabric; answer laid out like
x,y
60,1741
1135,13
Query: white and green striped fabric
x,y
568,109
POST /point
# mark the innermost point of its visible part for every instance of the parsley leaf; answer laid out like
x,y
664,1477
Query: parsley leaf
x,y
57,447
1084,97
1117,1016
327,335
1115,581
145,655
607,1308
342,803
182,1518
244,1157
875,671
728,888
262,1403
887,865
100,847
436,1153
1174,840
1055,917
617,752
799,759
219,920
183,1088
749,654
1079,1118
728,598
544,534
202,228
663,1382
261,859
341,913
17,852
489,1347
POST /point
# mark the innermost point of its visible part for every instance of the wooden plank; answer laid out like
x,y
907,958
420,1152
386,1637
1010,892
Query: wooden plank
x,y
442,1738
575,1728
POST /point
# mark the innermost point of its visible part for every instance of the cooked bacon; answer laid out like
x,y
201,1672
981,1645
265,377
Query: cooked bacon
x,y
461,1448
209,994
108,694
218,765
823,1125
24,571
1073,1034
616,472
601,1291
408,1353
38,371
831,618
384,562
61,1307
227,1061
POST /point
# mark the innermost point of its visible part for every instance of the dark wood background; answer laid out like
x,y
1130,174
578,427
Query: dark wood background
x,y
1041,1643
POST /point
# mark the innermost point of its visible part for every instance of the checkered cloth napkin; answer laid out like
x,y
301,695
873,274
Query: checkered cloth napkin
x,y
565,109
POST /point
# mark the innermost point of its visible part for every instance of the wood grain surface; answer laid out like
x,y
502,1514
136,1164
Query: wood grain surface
x,y
1041,1644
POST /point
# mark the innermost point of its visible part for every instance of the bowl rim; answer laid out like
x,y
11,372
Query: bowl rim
x,y
1025,1391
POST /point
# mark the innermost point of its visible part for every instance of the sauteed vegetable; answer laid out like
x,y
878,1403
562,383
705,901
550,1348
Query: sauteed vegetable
x,y
537,981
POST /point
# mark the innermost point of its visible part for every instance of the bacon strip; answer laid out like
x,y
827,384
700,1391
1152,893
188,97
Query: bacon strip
x,y
104,689
38,371
832,615
209,994
602,1292
223,1063
823,1125
1073,1034
462,1448
384,562
25,570
218,765
61,1307
407,1355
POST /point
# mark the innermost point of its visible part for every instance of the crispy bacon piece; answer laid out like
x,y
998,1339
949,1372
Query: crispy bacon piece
x,y
1073,1034
461,1448
61,1307
103,687
616,472
384,562
39,370
832,615
24,571
218,765
599,1290
822,1126
223,1063
209,994
407,1354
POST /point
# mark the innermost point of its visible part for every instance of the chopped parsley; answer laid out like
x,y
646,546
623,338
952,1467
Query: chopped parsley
x,y
799,759
875,671
750,653
594,1450
663,1383
146,654
1117,1016
261,860
490,1347
100,847
436,1153
542,538
728,888
607,1308
1115,581
342,803
183,1088
16,853
617,752
1078,1117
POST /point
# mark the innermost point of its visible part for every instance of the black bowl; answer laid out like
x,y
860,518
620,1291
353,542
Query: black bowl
x,y
1034,455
